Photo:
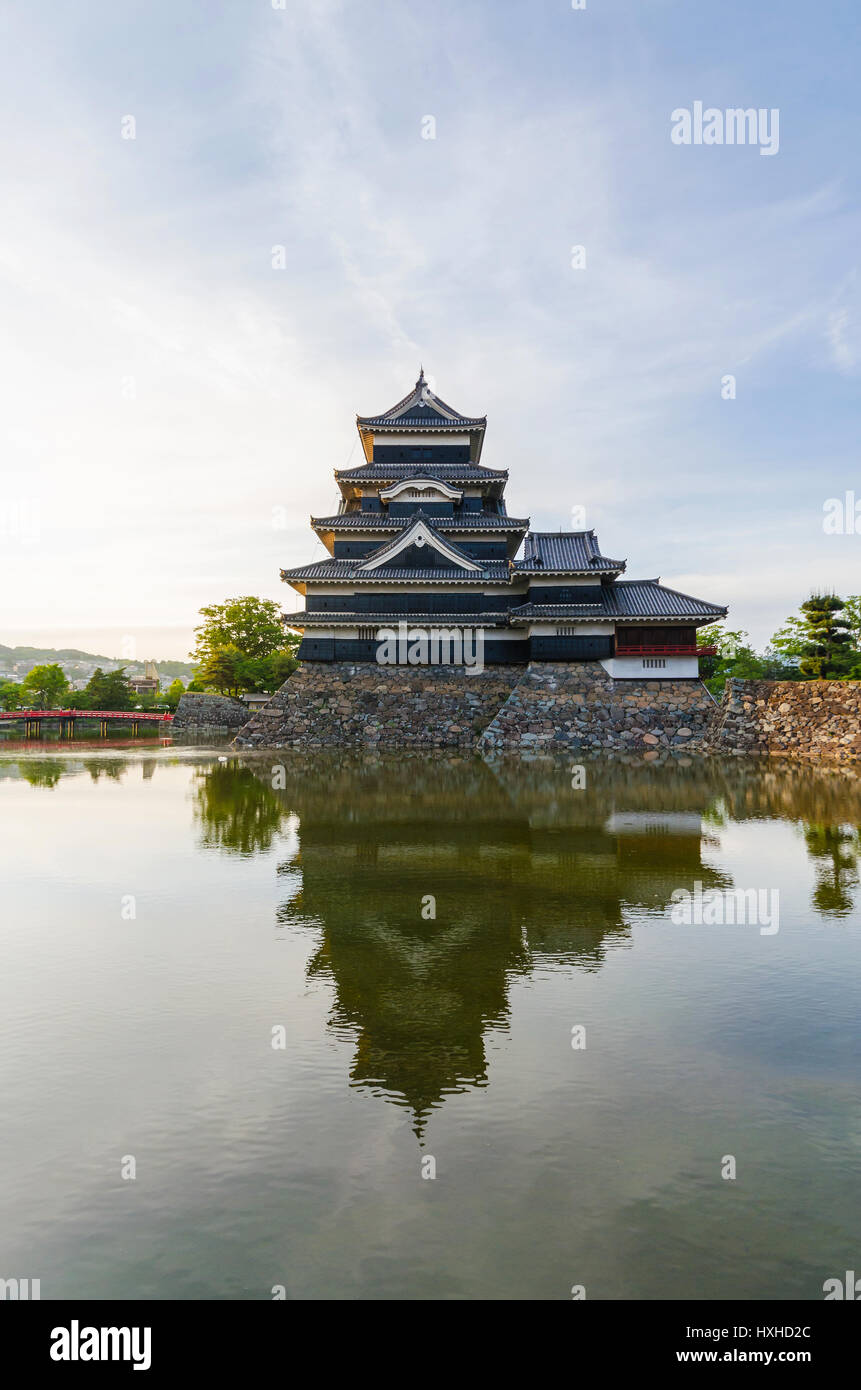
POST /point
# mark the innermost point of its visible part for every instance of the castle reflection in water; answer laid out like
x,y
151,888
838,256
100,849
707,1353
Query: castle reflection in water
x,y
520,870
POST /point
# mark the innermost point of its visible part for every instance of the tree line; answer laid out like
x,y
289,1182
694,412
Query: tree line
x,y
240,646
820,642
46,686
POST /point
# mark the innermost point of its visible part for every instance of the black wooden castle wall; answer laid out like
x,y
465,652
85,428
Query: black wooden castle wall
x,y
420,557
497,650
407,601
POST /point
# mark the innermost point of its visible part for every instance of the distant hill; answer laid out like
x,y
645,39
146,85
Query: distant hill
x,y
65,656
49,654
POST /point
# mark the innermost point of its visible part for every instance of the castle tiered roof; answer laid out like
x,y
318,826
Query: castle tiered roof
x,y
497,571
391,471
422,411
421,408
375,521
420,531
565,552
422,534
645,599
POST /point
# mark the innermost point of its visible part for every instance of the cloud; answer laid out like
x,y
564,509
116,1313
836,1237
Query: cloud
x,y
167,389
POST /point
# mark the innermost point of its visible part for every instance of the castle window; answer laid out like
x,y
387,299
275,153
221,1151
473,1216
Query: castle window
x,y
367,634
422,494
651,662
566,632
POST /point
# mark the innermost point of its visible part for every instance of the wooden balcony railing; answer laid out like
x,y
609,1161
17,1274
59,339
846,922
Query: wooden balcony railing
x,y
662,649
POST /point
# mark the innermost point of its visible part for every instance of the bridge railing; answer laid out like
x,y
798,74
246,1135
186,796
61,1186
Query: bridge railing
x,y
135,716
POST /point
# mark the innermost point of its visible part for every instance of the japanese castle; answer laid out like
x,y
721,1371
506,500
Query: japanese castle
x,y
422,541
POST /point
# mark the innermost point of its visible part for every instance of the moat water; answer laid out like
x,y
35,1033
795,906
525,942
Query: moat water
x,y
469,970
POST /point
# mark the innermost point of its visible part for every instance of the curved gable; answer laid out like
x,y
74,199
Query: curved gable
x,y
420,540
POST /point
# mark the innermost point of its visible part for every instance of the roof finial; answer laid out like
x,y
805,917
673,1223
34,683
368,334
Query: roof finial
x,y
421,381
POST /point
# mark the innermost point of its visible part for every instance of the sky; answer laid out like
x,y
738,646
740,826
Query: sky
x,y
230,227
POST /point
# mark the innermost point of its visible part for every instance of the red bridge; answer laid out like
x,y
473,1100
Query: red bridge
x,y
67,718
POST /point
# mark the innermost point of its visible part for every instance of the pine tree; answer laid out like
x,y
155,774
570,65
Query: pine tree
x,y
828,650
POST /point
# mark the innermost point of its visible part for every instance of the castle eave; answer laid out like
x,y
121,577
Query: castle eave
x,y
496,572
318,618
397,472
379,521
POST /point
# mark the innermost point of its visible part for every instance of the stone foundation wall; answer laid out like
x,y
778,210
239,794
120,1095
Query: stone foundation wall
x,y
208,714
544,707
341,705
538,707
560,706
801,719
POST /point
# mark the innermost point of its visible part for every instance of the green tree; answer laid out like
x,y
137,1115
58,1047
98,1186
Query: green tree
x,y
823,638
727,640
44,686
270,672
254,626
779,667
283,663
10,695
223,670
828,649
852,614
791,639
735,657
108,690
174,693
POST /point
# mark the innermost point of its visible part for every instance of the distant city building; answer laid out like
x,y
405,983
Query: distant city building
x,y
147,684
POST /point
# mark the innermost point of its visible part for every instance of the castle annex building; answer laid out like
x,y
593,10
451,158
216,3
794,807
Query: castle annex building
x,y
422,537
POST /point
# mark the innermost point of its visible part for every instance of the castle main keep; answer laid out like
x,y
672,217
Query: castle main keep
x,y
438,620
422,539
